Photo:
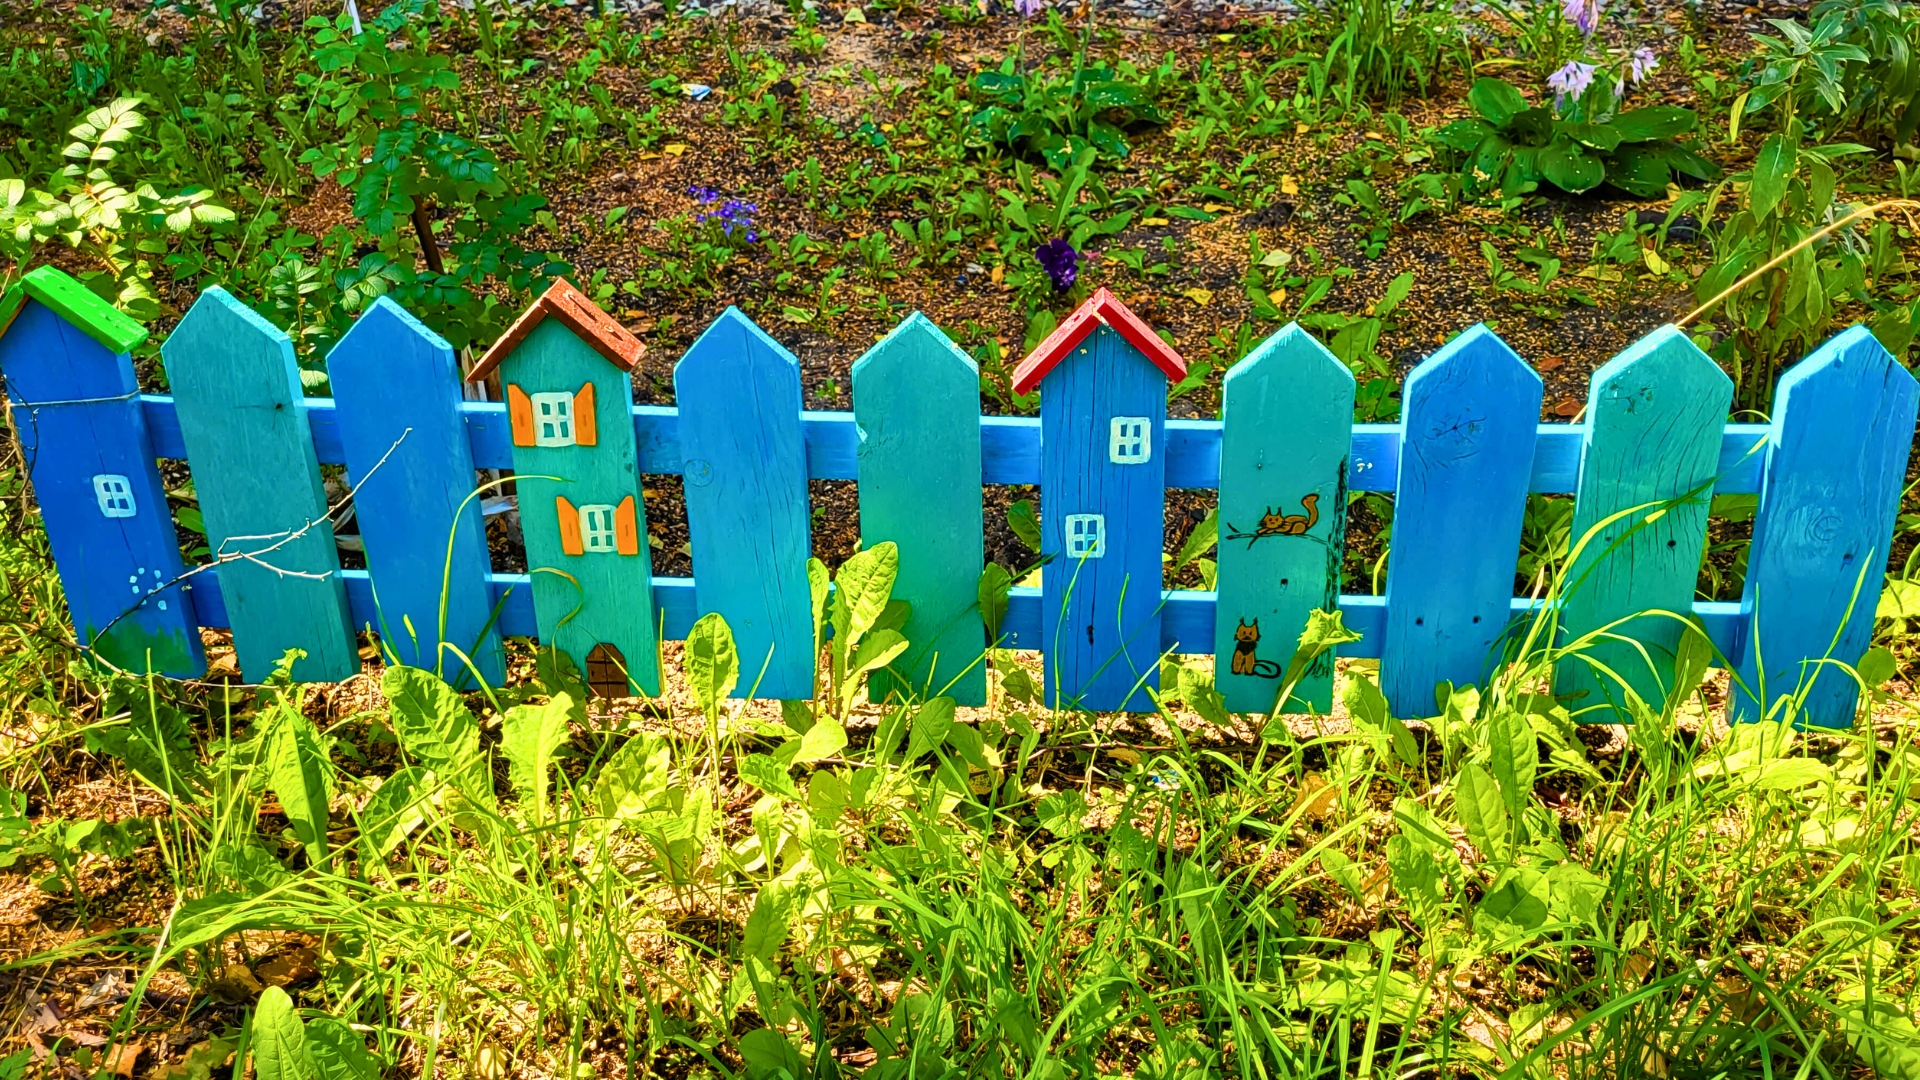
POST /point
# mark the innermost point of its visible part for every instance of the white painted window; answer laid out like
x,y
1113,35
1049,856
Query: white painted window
x,y
596,529
114,494
1086,536
553,419
1131,444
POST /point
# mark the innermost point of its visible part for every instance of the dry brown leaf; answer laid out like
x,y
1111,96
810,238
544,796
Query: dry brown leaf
x,y
299,966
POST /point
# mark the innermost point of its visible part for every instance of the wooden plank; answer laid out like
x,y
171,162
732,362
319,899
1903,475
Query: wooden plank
x,y
916,400
1470,412
1287,410
1843,427
1101,615
1010,448
411,468
82,428
82,309
745,473
1654,419
584,596
237,393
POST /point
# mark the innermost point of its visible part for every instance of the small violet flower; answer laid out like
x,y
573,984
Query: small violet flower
x,y
1570,81
1644,63
1027,9
734,215
1584,14
1060,261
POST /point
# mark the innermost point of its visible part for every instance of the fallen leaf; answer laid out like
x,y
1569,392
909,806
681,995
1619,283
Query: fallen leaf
x,y
1568,406
854,15
998,273
1215,208
122,1058
1653,260
1290,185
1275,258
493,1063
106,989
1153,221
236,985
675,148
1200,296
1548,363
1316,797
299,966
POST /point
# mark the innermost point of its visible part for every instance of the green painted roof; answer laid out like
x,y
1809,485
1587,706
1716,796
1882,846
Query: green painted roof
x,y
75,303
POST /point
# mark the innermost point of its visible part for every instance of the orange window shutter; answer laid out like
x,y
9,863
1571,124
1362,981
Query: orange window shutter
x,y
626,528
584,432
569,526
520,415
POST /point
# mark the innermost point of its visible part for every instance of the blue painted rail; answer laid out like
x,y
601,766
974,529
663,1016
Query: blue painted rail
x,y
1827,474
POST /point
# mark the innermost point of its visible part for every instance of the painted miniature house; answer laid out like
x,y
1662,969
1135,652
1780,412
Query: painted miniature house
x,y
565,368
1103,499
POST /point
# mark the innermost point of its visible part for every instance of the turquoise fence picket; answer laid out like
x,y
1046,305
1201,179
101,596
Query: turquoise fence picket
x,y
1829,471
916,401
1654,420
1843,428
1470,412
238,399
83,432
1287,417
744,462
397,402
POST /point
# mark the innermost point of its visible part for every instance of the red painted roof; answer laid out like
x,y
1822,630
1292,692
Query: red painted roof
x,y
576,313
1101,309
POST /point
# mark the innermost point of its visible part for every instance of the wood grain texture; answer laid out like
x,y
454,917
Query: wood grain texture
x,y
916,401
1470,411
411,467
1843,427
1287,410
237,393
1101,617
1654,420
115,571
582,598
745,470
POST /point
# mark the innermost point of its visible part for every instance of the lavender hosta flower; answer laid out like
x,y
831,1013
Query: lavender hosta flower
x,y
1060,261
733,216
1584,14
1643,63
1570,81
1027,9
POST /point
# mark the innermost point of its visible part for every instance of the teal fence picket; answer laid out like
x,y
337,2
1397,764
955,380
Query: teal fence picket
x,y
1842,431
238,398
916,401
1469,413
745,467
1287,414
1654,419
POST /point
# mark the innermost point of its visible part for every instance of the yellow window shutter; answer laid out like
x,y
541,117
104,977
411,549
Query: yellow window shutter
x,y
569,526
584,431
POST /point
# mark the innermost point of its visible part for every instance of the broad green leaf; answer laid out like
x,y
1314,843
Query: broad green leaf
x,y
1482,812
396,809
1462,135
818,590
1571,169
1060,813
1574,893
339,1052
877,651
635,779
712,664
1201,540
767,774
1773,169
279,1040
1692,657
769,1056
1876,667
995,586
930,727
1515,906
1198,691
1881,1034
1516,757
298,774
1024,522
1496,100
434,726
861,590
1368,708
823,740
1653,122
529,736
769,922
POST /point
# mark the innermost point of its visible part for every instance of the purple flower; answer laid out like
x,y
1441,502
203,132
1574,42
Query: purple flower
x,y
1644,63
1027,9
1060,261
1570,81
1584,14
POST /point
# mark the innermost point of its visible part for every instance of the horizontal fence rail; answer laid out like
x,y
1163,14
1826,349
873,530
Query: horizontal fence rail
x,y
1643,466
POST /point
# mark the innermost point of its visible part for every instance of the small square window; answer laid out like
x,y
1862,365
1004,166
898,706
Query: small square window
x,y
1131,442
114,494
596,529
553,419
1086,536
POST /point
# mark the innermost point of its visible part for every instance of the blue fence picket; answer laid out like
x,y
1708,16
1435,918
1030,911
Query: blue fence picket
x,y
84,435
745,469
916,399
1288,417
1843,428
238,397
409,461
1469,413
1654,415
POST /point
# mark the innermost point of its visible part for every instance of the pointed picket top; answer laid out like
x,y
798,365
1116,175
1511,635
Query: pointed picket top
x,y
1101,309
1470,415
1842,431
582,316
1655,417
75,303
1287,412
916,409
219,324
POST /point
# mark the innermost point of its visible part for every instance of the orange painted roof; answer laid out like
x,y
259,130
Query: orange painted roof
x,y
1101,309
578,314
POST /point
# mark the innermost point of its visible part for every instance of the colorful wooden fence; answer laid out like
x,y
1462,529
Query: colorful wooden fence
x,y
1651,453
